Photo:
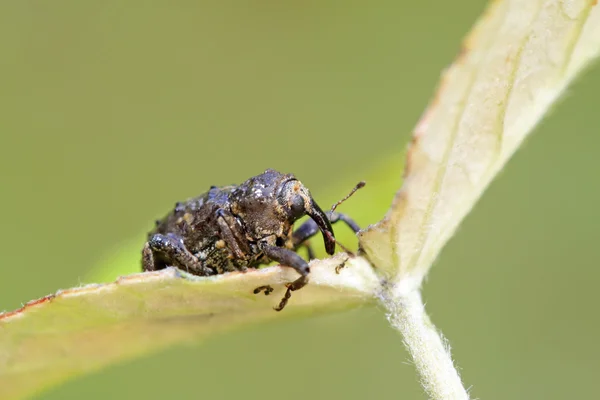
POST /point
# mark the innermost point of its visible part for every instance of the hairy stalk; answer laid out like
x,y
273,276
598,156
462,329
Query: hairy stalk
x,y
429,349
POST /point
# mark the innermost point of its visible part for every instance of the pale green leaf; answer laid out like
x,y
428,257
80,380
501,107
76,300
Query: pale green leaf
x,y
82,329
515,63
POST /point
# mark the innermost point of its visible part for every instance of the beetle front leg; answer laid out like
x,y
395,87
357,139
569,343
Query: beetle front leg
x,y
290,259
309,250
336,217
232,234
167,250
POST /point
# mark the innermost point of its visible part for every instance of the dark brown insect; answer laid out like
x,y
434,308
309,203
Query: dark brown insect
x,y
233,228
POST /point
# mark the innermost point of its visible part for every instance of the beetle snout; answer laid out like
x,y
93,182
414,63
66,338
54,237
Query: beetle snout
x,y
324,225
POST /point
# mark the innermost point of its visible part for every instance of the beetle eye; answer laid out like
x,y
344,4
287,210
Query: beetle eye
x,y
297,206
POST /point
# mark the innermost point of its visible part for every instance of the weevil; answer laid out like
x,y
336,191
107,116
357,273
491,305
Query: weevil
x,y
237,227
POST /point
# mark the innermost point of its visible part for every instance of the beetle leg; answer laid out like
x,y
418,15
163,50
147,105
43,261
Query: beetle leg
x,y
268,289
290,259
231,234
335,217
310,228
309,250
166,250
304,232
148,263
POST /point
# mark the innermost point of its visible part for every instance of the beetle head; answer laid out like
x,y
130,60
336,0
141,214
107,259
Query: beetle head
x,y
271,202
296,201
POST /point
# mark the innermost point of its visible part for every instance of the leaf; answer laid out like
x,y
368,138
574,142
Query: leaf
x,y
82,329
514,64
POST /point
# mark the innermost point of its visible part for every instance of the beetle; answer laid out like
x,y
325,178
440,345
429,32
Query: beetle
x,y
237,227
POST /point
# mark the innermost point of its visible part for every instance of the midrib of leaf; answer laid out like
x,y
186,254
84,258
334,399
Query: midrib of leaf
x,y
491,171
577,33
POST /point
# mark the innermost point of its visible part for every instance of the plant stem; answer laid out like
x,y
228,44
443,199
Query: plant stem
x,y
428,348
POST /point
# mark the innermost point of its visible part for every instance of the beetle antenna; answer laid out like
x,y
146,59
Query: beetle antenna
x,y
347,250
359,185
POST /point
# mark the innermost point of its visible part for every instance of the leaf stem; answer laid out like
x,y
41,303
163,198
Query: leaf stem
x,y
428,348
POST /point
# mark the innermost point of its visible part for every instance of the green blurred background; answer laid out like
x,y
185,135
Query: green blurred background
x,y
111,111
